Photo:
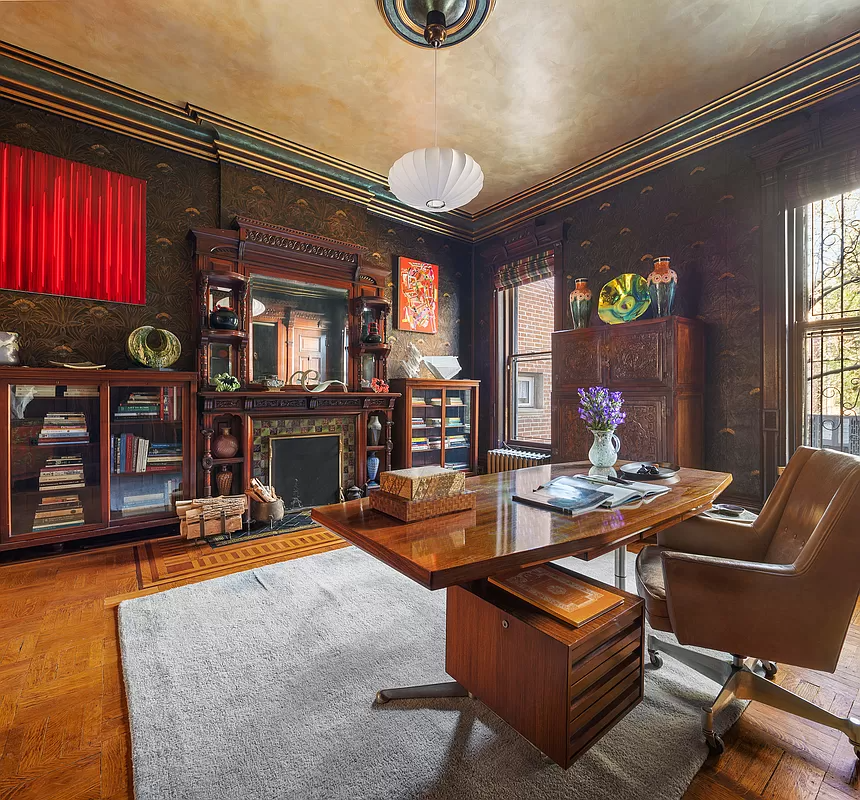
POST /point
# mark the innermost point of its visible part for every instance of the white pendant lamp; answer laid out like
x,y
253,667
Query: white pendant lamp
x,y
435,178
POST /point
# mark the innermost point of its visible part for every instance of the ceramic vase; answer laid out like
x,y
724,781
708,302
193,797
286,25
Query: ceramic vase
x,y
662,283
225,445
224,479
581,304
604,450
372,467
374,431
224,319
373,336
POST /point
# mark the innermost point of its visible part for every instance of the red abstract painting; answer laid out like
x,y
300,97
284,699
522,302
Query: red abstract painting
x,y
69,229
417,295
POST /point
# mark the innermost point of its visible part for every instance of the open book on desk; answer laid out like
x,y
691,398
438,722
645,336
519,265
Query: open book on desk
x,y
574,494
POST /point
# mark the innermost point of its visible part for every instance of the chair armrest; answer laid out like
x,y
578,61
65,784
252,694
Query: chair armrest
x,y
713,537
735,606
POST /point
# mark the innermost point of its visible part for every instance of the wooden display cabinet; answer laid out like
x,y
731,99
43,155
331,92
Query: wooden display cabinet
x,y
657,365
85,453
436,423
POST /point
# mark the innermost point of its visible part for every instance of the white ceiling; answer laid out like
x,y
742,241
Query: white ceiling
x,y
542,87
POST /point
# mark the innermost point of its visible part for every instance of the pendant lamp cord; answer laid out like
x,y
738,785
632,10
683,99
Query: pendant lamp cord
x,y
435,102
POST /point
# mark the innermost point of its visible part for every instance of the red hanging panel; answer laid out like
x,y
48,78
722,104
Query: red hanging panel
x,y
70,229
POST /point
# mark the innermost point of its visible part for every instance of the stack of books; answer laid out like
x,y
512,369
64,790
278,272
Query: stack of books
x,y
27,390
161,404
164,457
150,500
435,401
82,391
455,441
59,511
64,427
65,472
418,422
455,401
420,443
434,442
419,401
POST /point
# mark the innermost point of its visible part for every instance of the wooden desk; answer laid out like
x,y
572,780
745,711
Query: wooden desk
x,y
596,668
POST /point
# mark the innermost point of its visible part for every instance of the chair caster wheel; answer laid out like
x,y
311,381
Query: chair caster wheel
x,y
380,698
770,669
656,659
715,744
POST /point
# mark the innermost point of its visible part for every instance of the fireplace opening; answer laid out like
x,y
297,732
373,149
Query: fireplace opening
x,y
306,470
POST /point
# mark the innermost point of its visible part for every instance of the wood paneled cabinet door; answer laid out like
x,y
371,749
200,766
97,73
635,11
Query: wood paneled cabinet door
x,y
658,366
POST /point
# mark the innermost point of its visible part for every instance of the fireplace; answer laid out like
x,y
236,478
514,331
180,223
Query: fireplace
x,y
306,469
318,452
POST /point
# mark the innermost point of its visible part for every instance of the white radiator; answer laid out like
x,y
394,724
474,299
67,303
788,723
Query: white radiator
x,y
506,458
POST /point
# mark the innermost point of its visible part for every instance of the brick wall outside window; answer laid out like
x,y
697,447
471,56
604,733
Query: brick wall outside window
x,y
535,317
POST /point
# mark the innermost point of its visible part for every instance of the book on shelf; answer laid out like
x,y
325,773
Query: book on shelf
x,y
161,403
558,593
82,391
132,453
28,390
64,427
57,511
435,401
454,402
62,474
149,497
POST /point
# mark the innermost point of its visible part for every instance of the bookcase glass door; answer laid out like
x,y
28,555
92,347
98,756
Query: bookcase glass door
x,y
427,414
458,430
55,463
146,450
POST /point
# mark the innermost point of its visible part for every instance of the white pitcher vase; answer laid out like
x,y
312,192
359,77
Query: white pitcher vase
x,y
604,451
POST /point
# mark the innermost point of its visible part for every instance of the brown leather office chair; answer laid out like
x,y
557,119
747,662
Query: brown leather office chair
x,y
781,590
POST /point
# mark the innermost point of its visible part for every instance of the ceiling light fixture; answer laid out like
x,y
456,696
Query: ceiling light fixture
x,y
436,178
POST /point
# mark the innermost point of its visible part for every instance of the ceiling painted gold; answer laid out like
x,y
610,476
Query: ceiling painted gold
x,y
542,87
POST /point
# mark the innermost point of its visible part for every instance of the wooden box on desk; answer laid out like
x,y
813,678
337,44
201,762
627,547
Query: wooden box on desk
x,y
418,510
561,687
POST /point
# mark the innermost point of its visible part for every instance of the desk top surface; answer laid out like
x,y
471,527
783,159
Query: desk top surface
x,y
502,533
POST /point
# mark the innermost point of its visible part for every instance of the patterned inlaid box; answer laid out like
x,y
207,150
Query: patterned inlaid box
x,y
416,510
423,483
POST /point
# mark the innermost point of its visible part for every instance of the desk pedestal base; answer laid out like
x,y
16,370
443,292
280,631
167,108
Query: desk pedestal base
x,y
428,690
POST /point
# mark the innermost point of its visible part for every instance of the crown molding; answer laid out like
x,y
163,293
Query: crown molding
x,y
51,86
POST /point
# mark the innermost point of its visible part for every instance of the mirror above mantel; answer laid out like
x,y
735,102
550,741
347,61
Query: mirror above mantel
x,y
297,326
303,302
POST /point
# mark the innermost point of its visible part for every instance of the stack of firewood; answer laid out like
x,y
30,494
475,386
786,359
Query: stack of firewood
x,y
260,492
210,516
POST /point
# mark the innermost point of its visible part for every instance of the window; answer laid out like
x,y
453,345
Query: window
x,y
528,315
827,323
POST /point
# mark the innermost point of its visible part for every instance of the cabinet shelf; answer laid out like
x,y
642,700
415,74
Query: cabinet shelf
x,y
437,437
28,461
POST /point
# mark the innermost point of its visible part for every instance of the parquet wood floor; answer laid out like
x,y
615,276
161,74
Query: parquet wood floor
x,y
64,728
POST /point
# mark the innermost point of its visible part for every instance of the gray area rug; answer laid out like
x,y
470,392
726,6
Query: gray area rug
x,y
259,686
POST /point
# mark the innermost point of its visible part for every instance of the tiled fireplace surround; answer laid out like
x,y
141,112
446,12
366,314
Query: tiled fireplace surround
x,y
304,426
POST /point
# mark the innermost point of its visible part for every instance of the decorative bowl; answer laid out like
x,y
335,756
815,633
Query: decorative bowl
x,y
623,299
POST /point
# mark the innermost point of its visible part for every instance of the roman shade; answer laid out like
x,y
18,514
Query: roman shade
x,y
832,175
525,270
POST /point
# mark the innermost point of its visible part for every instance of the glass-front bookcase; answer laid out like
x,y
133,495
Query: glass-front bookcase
x,y
91,452
436,424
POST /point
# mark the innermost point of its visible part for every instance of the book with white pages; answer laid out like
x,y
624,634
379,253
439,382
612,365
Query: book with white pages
x,y
620,494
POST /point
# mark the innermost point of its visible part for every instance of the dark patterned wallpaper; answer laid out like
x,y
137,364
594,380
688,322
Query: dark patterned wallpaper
x,y
182,192
703,212
245,192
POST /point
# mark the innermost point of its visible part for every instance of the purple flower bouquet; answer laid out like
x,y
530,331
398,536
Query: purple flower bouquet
x,y
601,409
